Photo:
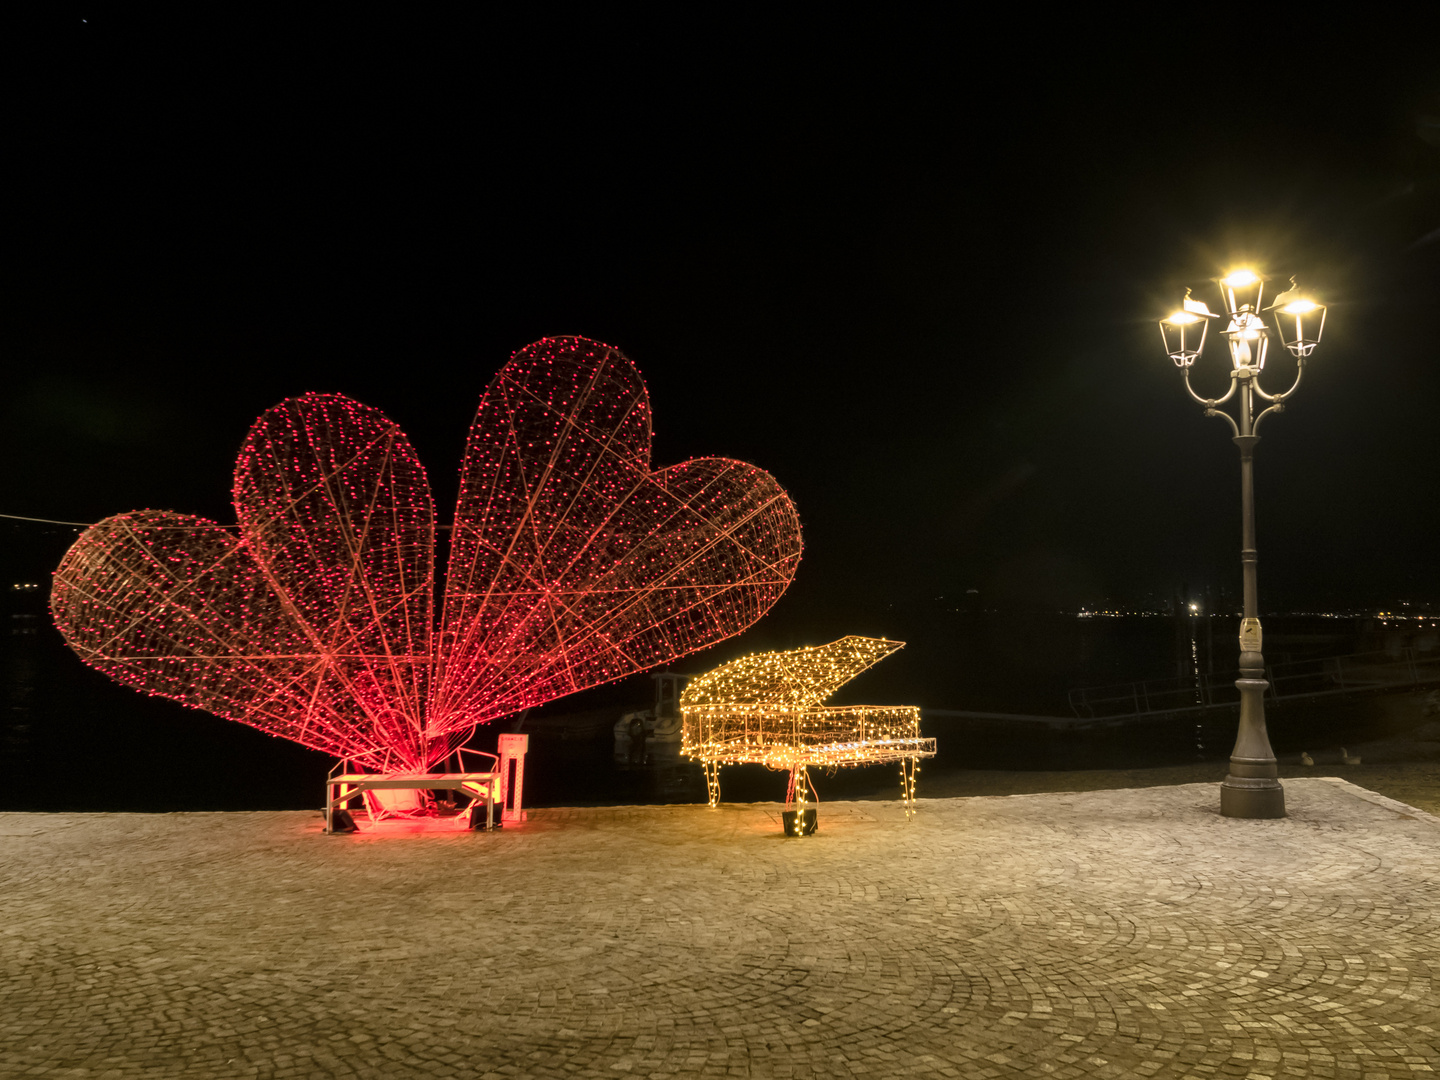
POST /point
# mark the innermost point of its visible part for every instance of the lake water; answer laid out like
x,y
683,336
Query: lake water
x,y
72,739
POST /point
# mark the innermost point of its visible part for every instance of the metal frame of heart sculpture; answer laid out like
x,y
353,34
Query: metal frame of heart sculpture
x,y
572,563
767,709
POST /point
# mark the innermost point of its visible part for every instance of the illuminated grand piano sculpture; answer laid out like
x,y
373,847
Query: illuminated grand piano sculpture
x,y
767,709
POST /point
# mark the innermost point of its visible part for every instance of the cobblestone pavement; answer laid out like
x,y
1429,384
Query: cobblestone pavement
x,y
1112,933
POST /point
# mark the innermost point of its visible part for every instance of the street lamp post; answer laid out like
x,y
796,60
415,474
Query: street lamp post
x,y
1252,789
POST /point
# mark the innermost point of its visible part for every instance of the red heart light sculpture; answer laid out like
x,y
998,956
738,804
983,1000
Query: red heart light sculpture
x,y
572,564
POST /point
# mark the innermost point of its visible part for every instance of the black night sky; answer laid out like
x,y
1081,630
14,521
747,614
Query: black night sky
x,y
910,267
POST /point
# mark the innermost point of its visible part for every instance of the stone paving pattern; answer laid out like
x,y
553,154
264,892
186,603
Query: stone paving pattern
x,y
1131,933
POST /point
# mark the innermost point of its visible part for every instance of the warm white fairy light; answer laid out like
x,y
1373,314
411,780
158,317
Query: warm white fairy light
x,y
766,709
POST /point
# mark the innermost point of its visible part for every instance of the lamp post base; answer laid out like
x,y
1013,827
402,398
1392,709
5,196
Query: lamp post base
x,y
1252,797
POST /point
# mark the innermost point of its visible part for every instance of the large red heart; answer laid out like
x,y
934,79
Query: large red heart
x,y
571,564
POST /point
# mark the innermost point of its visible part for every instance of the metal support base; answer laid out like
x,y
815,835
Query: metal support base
x,y
1252,797
483,822
340,821
799,822
1252,790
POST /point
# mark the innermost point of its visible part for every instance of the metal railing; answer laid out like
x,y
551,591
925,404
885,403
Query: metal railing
x,y
1356,673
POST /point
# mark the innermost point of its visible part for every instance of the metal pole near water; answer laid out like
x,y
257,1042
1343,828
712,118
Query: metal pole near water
x,y
1252,788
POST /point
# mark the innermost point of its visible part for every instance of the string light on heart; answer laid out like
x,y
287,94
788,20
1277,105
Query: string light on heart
x,y
572,563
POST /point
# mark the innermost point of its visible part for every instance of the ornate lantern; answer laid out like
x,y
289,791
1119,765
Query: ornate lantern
x,y
1184,331
1299,320
1241,292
